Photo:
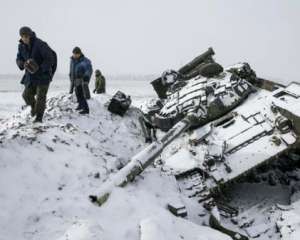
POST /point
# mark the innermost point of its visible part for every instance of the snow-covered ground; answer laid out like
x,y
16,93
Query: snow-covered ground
x,y
48,171
11,89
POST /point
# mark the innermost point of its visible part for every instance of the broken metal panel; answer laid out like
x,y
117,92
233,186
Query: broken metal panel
x,y
178,209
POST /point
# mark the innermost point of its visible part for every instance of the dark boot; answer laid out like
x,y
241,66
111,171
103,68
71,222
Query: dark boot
x,y
85,111
38,119
78,108
32,112
81,100
40,106
72,86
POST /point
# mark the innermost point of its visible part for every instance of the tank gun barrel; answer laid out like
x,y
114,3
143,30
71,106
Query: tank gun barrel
x,y
186,69
142,160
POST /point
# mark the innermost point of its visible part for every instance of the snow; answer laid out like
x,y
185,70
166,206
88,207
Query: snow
x,y
48,170
156,228
180,161
10,103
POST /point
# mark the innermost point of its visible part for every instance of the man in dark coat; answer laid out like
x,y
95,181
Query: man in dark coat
x,y
39,62
80,74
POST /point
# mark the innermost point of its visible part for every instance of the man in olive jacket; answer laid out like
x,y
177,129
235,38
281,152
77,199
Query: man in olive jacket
x,y
39,62
99,82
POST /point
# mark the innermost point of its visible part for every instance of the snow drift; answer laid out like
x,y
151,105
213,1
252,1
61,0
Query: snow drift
x,y
47,172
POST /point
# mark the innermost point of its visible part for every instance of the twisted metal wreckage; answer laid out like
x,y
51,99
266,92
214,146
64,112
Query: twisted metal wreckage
x,y
237,122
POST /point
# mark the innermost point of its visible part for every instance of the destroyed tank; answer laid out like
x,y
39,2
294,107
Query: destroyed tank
x,y
202,89
236,122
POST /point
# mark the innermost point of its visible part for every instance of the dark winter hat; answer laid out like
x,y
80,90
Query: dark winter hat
x,y
77,50
25,31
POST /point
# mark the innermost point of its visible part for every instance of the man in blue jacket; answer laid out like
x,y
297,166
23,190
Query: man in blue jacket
x,y
39,62
80,74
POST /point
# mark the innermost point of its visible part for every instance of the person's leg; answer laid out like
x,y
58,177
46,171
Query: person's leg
x,y
41,98
78,97
86,90
81,99
72,86
28,96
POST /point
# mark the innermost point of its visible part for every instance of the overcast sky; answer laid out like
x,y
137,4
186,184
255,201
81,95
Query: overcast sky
x,y
149,36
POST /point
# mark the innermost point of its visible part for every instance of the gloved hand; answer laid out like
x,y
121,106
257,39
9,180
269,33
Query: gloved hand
x,y
31,66
94,91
